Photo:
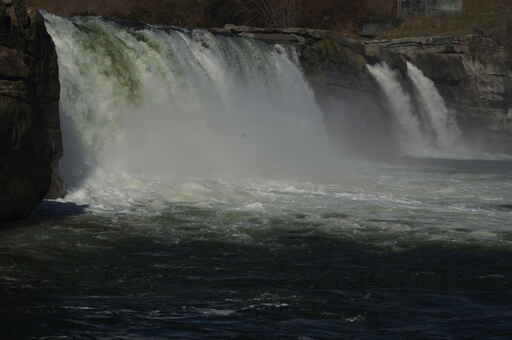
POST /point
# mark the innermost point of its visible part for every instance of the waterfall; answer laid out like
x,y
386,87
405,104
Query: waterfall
x,y
424,129
158,102
434,108
411,137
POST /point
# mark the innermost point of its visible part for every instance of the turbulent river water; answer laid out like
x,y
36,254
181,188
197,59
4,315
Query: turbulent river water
x,y
206,202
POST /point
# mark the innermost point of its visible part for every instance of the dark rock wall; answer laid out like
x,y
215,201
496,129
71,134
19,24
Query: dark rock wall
x,y
30,137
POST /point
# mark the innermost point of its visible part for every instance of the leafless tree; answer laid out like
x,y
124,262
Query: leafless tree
x,y
276,13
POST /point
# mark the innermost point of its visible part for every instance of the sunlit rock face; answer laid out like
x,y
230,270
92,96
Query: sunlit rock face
x,y
30,138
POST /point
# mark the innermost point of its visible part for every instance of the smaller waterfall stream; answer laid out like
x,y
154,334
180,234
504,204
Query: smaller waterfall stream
x,y
434,109
409,129
423,129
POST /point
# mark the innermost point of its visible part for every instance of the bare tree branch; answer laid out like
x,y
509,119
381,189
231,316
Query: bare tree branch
x,y
277,13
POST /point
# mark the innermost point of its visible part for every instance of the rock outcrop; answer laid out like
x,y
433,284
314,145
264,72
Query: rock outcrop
x,y
30,136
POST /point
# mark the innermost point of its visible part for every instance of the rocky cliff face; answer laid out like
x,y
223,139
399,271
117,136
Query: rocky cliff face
x,y
30,137
473,74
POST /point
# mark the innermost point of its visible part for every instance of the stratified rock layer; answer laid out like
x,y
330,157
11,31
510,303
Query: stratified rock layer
x,y
30,137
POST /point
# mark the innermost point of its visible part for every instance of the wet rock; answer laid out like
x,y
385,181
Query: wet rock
x,y
30,137
278,35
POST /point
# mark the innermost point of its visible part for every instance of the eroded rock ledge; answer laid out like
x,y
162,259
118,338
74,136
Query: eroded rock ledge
x,y
30,136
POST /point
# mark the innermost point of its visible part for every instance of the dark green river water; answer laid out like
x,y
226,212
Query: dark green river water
x,y
421,251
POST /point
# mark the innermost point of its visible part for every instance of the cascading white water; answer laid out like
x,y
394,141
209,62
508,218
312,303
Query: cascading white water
x,y
434,107
412,138
148,103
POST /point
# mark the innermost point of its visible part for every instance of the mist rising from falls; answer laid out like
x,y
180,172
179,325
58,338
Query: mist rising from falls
x,y
161,103
435,111
411,136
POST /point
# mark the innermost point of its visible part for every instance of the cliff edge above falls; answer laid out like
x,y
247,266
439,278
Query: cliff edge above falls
x,y
30,136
